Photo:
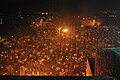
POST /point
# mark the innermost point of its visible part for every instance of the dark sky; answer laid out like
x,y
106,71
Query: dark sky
x,y
58,5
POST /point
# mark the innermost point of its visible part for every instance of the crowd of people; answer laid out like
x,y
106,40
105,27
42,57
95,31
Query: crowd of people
x,y
52,52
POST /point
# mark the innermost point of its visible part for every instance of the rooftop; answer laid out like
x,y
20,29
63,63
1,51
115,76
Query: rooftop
x,y
114,49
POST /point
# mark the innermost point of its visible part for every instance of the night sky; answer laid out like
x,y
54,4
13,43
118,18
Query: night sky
x,y
58,5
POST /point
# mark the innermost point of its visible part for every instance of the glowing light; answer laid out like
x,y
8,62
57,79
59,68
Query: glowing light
x,y
83,18
94,20
65,30
33,22
82,25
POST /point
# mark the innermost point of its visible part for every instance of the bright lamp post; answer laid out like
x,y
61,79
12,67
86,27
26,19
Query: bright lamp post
x,y
62,33
65,30
60,30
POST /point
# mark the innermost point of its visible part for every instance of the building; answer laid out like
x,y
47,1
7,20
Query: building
x,y
107,62
92,23
109,17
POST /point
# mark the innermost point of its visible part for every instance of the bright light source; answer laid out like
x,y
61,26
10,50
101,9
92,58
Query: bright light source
x,y
94,20
65,30
33,22
83,18
82,25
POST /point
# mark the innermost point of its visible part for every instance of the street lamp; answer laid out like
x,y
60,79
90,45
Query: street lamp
x,y
65,30
62,32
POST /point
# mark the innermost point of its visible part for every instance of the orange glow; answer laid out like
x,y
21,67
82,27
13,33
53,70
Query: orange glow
x,y
65,30
94,20
82,25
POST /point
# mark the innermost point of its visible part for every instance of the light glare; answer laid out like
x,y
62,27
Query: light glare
x,y
65,30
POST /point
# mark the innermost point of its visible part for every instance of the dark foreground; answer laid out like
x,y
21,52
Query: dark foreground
x,y
55,78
